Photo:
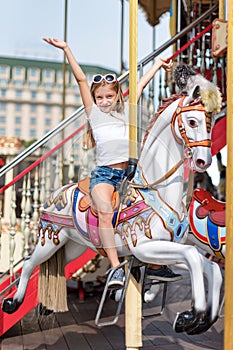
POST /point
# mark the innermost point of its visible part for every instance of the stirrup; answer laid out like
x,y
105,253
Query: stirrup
x,y
122,291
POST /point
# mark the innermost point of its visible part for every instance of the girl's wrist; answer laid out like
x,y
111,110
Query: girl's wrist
x,y
66,48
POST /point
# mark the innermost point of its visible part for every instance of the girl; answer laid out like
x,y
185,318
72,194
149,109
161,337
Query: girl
x,y
108,116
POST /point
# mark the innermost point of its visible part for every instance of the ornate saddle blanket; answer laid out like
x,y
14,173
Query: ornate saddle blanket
x,y
207,220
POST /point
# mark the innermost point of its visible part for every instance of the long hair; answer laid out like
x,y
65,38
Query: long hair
x,y
89,140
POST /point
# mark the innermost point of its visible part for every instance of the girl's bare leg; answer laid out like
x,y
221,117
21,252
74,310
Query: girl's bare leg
x,y
102,197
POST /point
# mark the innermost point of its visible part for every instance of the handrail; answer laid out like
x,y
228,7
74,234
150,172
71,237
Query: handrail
x,y
29,150
32,148
40,160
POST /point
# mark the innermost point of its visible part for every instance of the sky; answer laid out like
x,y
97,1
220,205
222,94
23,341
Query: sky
x,y
93,33
93,30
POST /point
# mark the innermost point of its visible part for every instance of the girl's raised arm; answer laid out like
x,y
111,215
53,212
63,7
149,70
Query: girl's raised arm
x,y
146,78
77,71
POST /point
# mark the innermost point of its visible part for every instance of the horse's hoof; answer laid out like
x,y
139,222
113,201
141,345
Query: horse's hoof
x,y
150,294
203,326
186,321
10,305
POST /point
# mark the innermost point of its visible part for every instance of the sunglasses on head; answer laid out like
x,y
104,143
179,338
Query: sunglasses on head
x,y
109,78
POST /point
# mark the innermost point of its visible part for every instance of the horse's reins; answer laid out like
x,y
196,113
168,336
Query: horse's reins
x,y
161,179
189,144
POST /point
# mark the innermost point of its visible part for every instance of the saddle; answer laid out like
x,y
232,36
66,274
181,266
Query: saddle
x,y
209,206
86,202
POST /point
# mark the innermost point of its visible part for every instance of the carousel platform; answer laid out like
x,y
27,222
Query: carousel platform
x,y
76,329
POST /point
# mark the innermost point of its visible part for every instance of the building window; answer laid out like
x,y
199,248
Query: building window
x,y
17,132
2,131
48,109
18,82
33,121
48,121
18,120
3,81
18,93
18,107
3,69
2,119
32,132
18,70
48,85
33,94
33,83
33,72
48,95
33,108
2,106
3,92
48,73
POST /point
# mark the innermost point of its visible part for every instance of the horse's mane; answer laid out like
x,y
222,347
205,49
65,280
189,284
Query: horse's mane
x,y
165,103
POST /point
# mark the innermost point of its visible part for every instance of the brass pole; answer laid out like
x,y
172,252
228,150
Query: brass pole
x,y
133,300
133,80
64,85
228,319
221,10
122,36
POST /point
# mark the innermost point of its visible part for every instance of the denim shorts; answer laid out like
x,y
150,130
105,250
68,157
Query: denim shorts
x,y
108,175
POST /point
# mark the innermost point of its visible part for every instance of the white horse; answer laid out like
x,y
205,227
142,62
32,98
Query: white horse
x,y
151,223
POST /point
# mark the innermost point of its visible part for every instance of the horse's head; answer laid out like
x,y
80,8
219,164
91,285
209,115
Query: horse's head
x,y
194,118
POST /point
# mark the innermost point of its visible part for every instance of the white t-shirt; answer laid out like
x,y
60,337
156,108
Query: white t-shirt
x,y
111,134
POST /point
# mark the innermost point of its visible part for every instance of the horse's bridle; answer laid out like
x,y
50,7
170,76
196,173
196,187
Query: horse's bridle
x,y
178,114
189,144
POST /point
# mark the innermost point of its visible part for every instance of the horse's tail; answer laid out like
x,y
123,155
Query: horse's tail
x,y
52,283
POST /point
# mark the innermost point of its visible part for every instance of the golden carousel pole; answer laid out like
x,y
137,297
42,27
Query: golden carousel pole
x,y
133,300
228,319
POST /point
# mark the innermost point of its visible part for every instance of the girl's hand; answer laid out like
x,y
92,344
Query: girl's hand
x,y
56,42
166,65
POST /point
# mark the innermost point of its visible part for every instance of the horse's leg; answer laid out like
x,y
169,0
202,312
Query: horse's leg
x,y
169,253
40,255
214,277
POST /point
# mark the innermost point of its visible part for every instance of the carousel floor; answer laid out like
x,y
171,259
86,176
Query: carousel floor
x,y
76,330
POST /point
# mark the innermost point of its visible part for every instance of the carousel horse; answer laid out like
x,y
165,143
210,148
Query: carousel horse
x,y
151,222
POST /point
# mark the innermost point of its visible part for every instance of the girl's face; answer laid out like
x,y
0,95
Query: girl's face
x,y
105,98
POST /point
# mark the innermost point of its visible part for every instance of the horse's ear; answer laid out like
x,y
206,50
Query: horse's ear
x,y
196,92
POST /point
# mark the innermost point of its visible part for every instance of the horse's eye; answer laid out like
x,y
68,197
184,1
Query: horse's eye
x,y
192,123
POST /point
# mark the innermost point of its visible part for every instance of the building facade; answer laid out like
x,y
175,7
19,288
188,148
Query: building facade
x,y
31,96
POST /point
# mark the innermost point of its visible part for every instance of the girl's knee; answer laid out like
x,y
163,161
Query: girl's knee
x,y
105,218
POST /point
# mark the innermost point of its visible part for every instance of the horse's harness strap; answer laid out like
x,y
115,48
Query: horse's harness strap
x,y
177,114
161,179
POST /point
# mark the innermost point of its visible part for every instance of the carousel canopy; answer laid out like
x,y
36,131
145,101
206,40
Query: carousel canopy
x,y
154,9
